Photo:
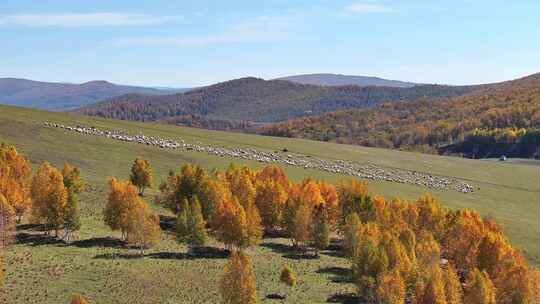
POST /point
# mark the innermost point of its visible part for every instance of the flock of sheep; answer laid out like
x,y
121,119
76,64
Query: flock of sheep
x,y
367,171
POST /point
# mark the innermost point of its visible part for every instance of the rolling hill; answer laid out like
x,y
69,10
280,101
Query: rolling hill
x,y
257,100
326,79
63,96
431,124
98,267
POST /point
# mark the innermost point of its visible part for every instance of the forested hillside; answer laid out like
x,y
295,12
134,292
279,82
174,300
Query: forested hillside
x,y
257,100
507,113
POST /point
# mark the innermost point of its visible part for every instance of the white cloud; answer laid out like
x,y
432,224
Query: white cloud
x,y
258,30
368,7
81,19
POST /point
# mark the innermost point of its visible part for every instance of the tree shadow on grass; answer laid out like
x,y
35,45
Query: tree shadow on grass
x,y
278,248
335,249
302,256
104,242
344,298
40,239
290,252
335,254
118,256
167,223
340,274
33,227
274,233
200,253
37,239
275,296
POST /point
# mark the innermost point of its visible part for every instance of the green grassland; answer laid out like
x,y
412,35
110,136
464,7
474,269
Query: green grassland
x,y
96,266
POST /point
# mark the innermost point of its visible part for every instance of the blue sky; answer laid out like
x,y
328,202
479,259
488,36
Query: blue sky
x,y
190,43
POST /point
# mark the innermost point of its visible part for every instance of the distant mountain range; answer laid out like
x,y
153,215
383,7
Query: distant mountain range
x,y
65,96
343,80
261,101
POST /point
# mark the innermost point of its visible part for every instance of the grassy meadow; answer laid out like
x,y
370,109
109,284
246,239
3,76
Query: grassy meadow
x,y
40,270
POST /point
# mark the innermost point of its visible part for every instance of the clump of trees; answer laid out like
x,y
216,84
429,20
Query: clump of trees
x,y
49,195
240,205
55,198
15,197
423,252
127,212
399,251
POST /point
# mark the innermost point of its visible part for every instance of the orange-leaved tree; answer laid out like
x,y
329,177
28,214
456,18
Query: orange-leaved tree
x,y
301,233
452,286
270,200
15,179
78,299
369,262
240,183
390,288
141,175
276,174
143,228
127,212
238,284
49,197
231,225
7,223
479,288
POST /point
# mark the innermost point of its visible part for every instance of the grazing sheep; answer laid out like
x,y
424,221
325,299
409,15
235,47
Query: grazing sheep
x,y
366,171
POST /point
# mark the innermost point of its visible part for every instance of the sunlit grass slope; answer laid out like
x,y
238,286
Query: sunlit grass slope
x,y
49,273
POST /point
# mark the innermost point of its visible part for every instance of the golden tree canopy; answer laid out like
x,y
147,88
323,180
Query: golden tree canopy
x,y
238,284
141,175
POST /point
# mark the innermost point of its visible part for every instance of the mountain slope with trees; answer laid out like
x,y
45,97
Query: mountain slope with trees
x,y
507,113
258,100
